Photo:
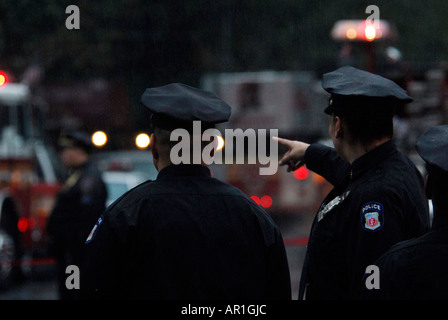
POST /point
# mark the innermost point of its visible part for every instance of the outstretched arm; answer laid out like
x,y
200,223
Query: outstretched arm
x,y
321,159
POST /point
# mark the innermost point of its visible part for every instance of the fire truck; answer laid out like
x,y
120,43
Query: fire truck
x,y
29,177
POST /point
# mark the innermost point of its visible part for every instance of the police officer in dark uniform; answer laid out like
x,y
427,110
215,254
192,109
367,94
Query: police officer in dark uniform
x,y
378,197
417,268
78,205
185,235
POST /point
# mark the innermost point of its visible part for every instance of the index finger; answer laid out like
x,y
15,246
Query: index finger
x,y
283,141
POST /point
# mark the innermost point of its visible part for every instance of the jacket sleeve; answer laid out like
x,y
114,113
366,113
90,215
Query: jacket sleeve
x,y
326,162
100,264
376,225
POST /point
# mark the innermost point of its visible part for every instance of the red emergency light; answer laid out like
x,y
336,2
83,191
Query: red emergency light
x,y
361,30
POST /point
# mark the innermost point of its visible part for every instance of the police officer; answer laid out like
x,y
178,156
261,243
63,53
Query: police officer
x,y
78,205
417,268
378,197
185,235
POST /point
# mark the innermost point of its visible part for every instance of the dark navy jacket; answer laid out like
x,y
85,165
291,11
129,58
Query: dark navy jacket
x,y
185,235
414,269
377,201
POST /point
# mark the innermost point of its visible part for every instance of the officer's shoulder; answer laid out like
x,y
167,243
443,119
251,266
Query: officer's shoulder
x,y
228,187
130,196
400,176
378,189
224,189
399,255
411,246
391,177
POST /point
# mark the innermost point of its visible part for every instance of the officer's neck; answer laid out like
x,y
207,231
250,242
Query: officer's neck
x,y
162,163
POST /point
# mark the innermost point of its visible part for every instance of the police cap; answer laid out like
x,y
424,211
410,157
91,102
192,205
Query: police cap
x,y
177,105
432,146
349,87
75,139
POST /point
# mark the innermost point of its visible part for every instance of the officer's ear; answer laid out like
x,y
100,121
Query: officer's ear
x,y
338,127
154,146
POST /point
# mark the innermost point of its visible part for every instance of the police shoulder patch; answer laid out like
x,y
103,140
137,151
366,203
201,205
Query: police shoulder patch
x,y
95,228
372,216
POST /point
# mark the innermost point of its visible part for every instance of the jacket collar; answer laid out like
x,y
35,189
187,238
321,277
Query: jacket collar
x,y
372,158
184,170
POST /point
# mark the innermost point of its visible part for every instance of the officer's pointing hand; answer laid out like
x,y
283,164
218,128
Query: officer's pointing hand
x,y
294,157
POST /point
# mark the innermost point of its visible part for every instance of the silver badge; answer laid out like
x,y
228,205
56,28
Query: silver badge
x,y
330,205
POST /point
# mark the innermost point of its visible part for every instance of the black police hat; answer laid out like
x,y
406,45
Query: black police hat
x,y
75,139
432,146
177,105
349,86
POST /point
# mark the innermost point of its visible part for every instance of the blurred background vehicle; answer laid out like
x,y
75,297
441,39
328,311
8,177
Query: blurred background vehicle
x,y
118,183
30,175
123,170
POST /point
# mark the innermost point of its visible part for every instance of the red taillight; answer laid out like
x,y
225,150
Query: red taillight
x,y
256,199
301,173
264,201
23,224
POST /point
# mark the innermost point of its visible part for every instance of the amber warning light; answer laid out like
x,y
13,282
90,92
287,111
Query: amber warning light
x,y
3,78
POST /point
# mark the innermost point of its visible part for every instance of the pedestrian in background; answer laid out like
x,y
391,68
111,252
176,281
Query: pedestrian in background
x,y
78,205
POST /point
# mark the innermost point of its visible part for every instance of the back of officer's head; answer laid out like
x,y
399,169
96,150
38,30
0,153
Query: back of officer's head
x,y
432,146
366,120
437,184
179,106
436,189
165,143
163,140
